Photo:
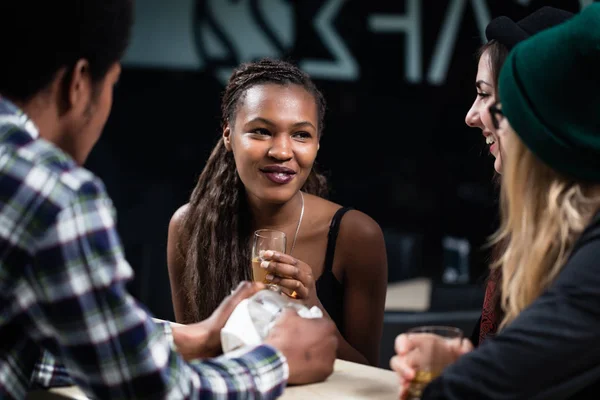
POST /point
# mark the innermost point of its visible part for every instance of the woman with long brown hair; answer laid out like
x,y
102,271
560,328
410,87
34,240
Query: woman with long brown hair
x,y
260,175
502,34
547,345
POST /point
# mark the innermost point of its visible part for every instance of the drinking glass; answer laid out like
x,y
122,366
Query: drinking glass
x,y
434,345
266,239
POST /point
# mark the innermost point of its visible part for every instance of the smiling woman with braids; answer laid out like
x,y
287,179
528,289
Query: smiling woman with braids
x,y
261,175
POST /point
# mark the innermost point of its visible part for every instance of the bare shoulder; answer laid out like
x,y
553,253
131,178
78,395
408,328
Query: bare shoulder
x,y
324,209
178,217
174,239
361,245
356,226
176,265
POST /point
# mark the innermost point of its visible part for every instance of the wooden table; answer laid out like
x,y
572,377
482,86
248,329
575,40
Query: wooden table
x,y
349,381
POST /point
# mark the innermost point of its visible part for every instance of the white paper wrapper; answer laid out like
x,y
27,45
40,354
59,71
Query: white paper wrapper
x,y
252,319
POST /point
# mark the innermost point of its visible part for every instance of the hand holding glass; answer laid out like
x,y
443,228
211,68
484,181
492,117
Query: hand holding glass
x,y
265,239
435,347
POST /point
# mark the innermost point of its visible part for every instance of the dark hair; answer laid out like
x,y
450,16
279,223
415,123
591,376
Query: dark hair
x,y
216,232
498,53
41,37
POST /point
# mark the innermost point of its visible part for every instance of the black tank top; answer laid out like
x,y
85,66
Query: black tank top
x,y
329,290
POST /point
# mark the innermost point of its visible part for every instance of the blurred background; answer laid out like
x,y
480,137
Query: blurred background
x,y
398,77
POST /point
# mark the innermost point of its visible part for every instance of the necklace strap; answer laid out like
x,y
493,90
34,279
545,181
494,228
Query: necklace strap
x,y
299,223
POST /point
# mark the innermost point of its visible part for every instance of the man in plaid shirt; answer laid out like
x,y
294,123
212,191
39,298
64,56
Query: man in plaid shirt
x,y
62,268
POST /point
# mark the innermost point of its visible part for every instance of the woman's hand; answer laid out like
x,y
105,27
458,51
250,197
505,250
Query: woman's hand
x,y
295,277
424,351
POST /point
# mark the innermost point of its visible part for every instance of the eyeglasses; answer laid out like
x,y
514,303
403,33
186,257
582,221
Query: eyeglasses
x,y
496,113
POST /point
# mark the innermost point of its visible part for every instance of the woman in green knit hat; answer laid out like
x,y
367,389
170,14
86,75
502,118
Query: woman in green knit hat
x,y
549,120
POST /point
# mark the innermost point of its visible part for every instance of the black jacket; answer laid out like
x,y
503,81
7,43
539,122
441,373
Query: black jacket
x,y
550,351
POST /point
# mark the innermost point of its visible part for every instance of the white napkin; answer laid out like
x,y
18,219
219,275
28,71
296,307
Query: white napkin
x,y
249,328
239,329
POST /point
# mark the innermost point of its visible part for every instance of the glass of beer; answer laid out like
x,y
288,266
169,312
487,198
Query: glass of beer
x,y
434,351
266,239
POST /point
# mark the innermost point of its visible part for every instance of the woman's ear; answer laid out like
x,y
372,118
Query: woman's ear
x,y
227,137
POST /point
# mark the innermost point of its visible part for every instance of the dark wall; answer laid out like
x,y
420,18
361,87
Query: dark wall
x,y
394,148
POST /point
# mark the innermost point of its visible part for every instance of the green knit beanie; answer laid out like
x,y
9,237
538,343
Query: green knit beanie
x,y
549,87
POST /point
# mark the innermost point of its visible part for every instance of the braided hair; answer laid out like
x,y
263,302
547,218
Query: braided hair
x,y
216,230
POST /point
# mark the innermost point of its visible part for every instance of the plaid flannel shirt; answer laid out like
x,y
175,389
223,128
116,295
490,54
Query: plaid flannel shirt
x,y
62,292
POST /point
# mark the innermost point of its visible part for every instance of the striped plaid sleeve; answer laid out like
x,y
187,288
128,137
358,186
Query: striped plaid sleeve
x,y
75,294
261,372
48,372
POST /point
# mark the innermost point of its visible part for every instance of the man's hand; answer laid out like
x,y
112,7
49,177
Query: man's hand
x,y
203,339
310,346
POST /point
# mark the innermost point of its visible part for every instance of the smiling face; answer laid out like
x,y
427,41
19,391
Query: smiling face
x,y
479,116
274,139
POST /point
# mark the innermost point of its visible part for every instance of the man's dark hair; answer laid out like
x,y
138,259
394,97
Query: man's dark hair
x,y
39,37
